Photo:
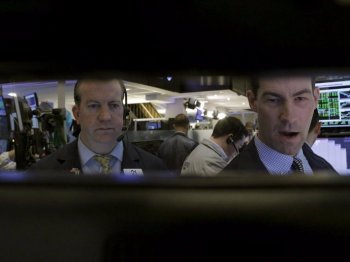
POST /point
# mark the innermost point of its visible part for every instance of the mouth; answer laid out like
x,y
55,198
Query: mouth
x,y
289,134
104,129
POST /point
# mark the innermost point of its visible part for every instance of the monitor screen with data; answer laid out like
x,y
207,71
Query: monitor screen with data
x,y
334,103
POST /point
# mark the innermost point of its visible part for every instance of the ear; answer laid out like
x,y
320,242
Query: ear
x,y
316,95
75,110
229,139
252,100
318,128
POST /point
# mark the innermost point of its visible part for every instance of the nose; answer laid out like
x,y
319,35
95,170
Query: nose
x,y
288,113
104,113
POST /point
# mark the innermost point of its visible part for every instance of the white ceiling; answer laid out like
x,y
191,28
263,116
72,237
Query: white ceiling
x,y
222,100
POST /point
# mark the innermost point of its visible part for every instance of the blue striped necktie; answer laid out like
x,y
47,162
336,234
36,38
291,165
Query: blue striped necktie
x,y
297,166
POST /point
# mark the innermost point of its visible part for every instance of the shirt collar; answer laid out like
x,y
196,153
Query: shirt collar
x,y
86,154
214,146
276,162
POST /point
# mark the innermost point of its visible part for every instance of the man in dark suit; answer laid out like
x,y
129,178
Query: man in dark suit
x,y
177,147
285,105
100,112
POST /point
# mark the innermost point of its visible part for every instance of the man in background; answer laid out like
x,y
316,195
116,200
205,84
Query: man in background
x,y
177,147
315,129
213,154
7,160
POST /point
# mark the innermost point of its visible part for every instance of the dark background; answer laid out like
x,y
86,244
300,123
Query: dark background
x,y
49,39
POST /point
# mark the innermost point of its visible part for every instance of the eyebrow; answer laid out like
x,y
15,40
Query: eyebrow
x,y
303,91
300,92
97,101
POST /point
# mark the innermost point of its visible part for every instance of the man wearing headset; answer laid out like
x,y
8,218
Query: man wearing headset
x,y
213,154
100,112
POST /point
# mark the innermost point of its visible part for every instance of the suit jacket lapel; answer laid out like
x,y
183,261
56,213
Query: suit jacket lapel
x,y
69,157
131,158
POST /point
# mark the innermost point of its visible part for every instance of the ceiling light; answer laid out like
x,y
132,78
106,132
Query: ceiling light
x,y
221,115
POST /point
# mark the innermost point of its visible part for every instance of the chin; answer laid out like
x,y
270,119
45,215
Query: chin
x,y
106,139
290,150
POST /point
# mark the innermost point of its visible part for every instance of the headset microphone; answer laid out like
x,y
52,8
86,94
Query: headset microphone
x,y
126,112
231,140
125,130
120,138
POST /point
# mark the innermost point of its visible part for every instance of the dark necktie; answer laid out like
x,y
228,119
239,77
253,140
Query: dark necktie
x,y
297,165
104,162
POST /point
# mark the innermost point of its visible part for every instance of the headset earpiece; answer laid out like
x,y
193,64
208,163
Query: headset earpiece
x,y
238,135
126,112
230,140
125,100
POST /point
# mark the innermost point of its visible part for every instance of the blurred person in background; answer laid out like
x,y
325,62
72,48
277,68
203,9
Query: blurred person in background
x,y
7,160
314,129
213,154
177,147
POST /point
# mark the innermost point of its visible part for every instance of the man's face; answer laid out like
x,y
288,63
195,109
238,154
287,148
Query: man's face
x,y
100,114
285,106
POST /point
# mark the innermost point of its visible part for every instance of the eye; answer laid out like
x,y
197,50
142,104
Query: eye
x,y
115,105
273,100
301,99
93,106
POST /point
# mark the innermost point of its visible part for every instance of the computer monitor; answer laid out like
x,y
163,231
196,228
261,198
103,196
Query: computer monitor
x,y
2,106
199,114
153,125
4,145
336,150
334,104
32,100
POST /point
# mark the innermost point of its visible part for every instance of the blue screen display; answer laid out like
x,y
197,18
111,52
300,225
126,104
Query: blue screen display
x,y
153,125
2,107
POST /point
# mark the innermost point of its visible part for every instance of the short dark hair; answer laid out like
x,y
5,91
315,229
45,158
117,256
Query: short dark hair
x,y
77,95
228,125
315,119
254,80
181,120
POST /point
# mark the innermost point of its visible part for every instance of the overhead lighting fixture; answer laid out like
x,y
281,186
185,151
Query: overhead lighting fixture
x,y
221,115
12,94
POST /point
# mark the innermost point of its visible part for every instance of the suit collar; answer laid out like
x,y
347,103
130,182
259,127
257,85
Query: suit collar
x,y
68,157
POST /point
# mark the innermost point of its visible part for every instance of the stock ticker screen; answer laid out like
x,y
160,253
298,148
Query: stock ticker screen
x,y
334,103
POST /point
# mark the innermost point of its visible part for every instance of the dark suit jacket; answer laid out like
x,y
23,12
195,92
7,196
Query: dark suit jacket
x,y
67,158
249,161
175,149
